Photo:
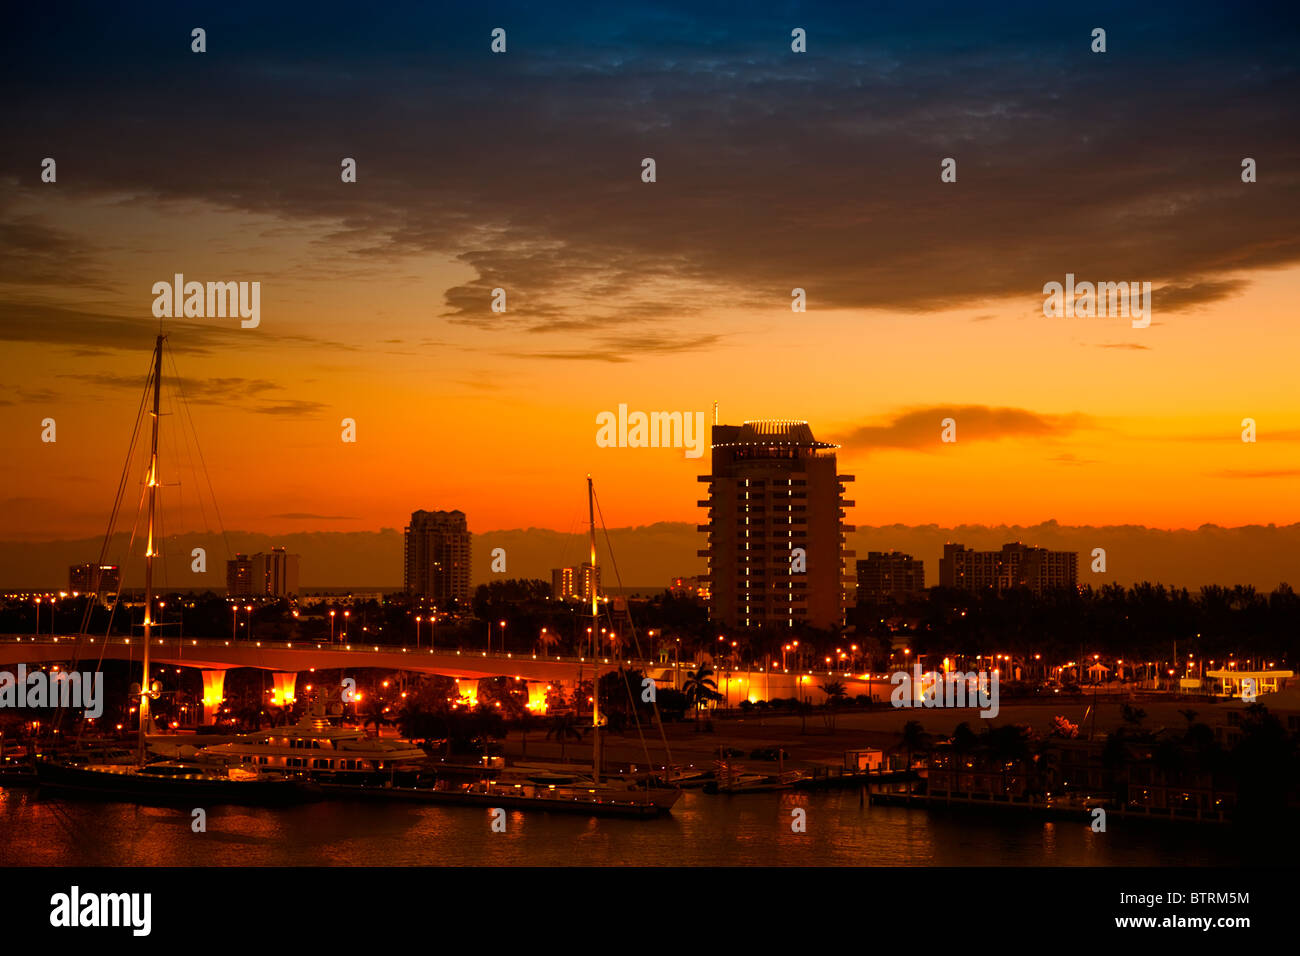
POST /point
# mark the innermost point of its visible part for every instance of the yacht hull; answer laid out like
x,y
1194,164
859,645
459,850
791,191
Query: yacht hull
x,y
130,785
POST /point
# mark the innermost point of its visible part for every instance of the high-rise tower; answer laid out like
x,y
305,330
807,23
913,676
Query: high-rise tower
x,y
776,533
437,556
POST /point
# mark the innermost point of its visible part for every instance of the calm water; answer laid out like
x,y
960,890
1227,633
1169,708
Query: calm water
x,y
753,829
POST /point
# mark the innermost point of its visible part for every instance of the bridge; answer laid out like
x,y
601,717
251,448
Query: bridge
x,y
286,659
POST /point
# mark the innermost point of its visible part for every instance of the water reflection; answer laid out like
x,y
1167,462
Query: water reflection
x,y
753,829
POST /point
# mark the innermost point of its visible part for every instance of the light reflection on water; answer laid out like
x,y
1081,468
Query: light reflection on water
x,y
753,829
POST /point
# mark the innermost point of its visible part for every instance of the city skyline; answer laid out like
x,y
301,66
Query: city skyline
x,y
651,556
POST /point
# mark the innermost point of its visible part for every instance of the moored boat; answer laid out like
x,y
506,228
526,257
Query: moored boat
x,y
314,749
78,773
166,783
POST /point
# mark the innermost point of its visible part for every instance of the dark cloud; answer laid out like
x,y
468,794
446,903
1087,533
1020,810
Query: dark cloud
x,y
91,332
82,329
250,394
33,253
292,407
1173,297
28,396
774,169
920,428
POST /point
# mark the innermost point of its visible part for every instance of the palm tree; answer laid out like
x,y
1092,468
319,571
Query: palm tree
x,y
803,707
699,688
834,691
247,716
964,739
1133,716
525,720
374,713
913,737
564,727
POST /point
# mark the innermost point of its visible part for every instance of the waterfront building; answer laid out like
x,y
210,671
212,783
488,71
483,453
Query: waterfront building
x,y
1282,702
437,556
776,531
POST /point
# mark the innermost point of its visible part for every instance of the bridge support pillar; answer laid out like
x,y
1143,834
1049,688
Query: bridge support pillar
x,y
214,683
286,686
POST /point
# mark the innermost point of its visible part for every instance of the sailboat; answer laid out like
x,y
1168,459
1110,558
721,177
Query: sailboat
x,y
164,781
646,790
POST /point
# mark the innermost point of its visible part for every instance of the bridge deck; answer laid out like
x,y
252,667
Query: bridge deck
x,y
286,656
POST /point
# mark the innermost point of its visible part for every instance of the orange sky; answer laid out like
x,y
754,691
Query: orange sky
x,y
775,170
1128,425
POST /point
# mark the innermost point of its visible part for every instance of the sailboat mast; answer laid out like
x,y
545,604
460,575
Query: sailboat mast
x,y
149,550
595,638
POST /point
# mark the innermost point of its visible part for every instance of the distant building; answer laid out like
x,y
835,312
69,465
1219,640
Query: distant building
x,y
696,588
437,556
774,489
274,574
239,576
563,584
1015,566
575,583
81,578
884,576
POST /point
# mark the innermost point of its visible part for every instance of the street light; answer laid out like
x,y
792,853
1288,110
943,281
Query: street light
x,y
331,625
418,619
346,616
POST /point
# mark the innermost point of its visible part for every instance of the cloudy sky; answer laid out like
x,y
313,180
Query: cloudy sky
x,y
775,170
